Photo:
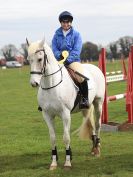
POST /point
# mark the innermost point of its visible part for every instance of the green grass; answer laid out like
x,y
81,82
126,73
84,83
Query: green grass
x,y
117,109
24,138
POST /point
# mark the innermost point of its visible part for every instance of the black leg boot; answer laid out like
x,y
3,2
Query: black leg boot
x,y
84,104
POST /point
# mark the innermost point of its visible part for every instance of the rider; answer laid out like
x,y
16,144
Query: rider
x,y
66,38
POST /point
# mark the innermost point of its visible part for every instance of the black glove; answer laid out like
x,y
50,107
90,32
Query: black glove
x,y
61,58
66,63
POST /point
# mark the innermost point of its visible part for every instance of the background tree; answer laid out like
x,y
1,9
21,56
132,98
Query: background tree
x,y
113,50
89,52
125,44
9,52
24,52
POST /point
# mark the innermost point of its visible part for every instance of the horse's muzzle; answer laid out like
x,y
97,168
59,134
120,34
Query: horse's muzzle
x,y
35,84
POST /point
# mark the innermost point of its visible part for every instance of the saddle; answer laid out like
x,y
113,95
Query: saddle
x,y
73,76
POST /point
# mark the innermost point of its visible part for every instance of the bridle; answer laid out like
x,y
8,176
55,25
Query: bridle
x,y
42,72
44,63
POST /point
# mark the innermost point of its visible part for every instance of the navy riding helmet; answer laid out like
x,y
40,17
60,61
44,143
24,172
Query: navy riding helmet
x,y
65,16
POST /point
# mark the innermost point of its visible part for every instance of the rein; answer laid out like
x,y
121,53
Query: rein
x,y
60,69
47,88
36,72
42,72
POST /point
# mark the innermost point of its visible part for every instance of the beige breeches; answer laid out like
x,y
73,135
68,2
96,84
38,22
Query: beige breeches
x,y
76,66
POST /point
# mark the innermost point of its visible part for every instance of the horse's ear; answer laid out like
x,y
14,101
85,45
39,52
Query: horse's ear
x,y
41,44
27,42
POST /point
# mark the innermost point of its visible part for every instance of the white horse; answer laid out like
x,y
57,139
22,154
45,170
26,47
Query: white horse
x,y
56,96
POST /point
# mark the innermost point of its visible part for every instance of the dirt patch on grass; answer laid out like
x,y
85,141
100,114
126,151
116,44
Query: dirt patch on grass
x,y
113,126
125,127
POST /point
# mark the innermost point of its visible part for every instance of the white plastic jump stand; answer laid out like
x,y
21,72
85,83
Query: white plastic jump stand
x,y
110,127
3,67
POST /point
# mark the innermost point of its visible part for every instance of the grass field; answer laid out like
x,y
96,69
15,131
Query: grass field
x,y
24,139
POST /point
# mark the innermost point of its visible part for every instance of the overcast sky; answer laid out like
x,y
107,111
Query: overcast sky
x,y
99,21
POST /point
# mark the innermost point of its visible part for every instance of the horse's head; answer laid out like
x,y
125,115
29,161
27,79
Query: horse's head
x,y
37,59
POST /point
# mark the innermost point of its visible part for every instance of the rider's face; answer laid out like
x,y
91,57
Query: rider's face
x,y
66,25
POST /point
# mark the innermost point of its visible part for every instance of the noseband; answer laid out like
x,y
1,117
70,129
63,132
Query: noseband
x,y
42,72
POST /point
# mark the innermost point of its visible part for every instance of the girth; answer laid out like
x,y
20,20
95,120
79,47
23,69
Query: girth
x,y
77,100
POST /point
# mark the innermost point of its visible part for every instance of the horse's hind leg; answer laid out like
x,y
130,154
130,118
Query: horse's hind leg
x,y
96,138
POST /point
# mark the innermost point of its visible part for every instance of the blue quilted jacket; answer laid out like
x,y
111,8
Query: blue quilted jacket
x,y
72,43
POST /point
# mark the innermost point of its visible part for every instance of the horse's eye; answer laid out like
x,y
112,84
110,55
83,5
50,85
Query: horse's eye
x,y
40,59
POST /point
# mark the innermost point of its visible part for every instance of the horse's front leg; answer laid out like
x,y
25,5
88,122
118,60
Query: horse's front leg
x,y
50,123
66,136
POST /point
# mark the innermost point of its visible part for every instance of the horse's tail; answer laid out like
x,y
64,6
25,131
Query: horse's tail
x,y
88,125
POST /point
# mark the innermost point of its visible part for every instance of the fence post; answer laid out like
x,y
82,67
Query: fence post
x,y
129,99
124,68
102,66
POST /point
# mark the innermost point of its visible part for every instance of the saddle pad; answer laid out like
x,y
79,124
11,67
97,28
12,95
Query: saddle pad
x,y
76,87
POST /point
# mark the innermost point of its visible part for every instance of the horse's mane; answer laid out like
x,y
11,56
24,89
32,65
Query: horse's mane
x,y
33,47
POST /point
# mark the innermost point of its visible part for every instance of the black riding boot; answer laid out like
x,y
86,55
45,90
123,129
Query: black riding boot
x,y
84,104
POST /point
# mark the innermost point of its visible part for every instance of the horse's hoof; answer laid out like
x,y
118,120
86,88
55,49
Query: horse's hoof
x,y
52,168
92,153
97,155
67,168
95,152
67,165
